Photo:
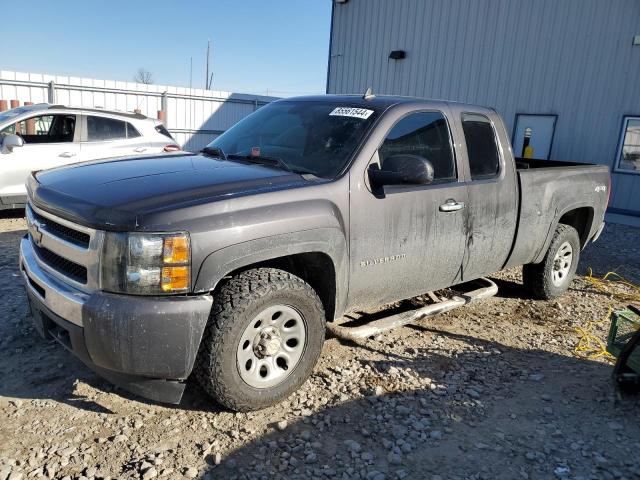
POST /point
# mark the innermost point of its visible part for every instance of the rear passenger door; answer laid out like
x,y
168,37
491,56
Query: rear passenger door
x,y
408,239
492,192
106,137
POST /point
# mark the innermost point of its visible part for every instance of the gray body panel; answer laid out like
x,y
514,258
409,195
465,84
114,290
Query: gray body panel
x,y
546,194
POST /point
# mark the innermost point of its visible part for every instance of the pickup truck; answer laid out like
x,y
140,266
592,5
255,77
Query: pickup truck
x,y
226,265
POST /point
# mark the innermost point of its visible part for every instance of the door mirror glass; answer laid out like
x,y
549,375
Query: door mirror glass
x,y
10,141
402,169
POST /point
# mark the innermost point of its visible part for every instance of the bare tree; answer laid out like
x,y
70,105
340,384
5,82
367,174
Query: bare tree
x,y
143,76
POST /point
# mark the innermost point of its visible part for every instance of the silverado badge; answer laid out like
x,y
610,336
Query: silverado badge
x,y
377,261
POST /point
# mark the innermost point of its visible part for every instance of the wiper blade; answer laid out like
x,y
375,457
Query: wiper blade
x,y
263,160
214,152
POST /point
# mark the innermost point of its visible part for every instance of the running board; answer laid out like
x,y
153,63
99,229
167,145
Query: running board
x,y
385,324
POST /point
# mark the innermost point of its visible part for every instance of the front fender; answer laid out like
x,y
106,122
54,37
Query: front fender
x,y
330,241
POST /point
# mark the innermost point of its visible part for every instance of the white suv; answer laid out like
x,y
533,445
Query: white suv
x,y
42,136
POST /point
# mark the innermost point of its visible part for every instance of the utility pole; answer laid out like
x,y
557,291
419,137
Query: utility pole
x,y
190,72
206,78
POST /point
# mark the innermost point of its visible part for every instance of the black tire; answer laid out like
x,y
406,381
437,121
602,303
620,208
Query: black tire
x,y
235,305
538,277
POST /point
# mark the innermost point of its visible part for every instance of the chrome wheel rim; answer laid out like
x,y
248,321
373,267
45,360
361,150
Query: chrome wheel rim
x,y
271,346
562,264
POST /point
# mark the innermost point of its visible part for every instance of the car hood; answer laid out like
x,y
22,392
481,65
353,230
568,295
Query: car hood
x,y
116,193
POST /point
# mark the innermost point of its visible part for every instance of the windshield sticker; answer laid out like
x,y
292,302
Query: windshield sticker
x,y
362,113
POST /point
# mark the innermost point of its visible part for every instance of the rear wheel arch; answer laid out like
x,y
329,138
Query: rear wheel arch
x,y
580,217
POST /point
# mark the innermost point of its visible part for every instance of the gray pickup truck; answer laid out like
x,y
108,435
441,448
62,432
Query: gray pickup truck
x,y
229,263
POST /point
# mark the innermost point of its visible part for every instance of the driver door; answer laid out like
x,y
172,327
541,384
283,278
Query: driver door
x,y
49,141
406,239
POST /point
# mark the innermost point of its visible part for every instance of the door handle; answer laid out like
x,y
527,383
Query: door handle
x,y
451,206
140,149
67,154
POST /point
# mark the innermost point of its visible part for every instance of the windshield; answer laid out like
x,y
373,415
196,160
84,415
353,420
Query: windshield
x,y
310,137
14,112
9,116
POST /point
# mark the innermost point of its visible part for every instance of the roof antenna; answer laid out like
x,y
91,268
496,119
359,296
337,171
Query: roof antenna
x,y
368,95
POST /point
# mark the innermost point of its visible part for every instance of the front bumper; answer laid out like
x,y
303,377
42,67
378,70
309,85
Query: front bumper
x,y
146,345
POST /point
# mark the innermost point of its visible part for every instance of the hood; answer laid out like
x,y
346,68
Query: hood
x,y
116,193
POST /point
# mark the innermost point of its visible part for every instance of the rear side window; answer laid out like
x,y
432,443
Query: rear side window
x,y
132,132
163,131
101,128
425,134
484,160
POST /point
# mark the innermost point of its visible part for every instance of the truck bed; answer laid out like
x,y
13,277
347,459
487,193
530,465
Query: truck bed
x,y
548,189
529,163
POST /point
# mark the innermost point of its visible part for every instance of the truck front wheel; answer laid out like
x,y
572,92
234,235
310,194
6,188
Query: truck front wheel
x,y
551,277
264,337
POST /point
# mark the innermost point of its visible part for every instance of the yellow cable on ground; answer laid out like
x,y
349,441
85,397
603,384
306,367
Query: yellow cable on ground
x,y
590,345
608,286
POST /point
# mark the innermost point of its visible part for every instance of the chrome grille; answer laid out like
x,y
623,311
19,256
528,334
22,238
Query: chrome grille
x,y
62,265
66,250
64,232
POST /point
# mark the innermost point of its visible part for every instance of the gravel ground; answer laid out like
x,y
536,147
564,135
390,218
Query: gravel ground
x,y
491,391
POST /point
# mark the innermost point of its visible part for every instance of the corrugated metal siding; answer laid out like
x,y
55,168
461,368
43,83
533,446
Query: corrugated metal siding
x,y
194,116
572,58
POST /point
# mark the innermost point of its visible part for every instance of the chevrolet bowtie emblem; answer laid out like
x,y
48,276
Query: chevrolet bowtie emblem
x,y
36,233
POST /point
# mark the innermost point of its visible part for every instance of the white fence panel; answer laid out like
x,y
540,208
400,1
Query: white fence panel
x,y
193,116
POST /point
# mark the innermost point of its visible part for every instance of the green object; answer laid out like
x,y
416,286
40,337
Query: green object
x,y
624,325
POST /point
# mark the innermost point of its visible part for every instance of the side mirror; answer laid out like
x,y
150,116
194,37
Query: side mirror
x,y
10,141
402,169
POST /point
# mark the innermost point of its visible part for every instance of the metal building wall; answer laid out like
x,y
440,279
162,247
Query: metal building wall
x,y
193,116
572,58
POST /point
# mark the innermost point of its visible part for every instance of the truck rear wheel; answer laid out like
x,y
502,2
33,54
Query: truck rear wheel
x,y
264,337
551,277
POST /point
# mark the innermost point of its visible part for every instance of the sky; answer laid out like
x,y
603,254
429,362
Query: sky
x,y
278,47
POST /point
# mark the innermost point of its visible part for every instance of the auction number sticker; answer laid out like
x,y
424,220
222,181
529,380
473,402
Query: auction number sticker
x,y
362,113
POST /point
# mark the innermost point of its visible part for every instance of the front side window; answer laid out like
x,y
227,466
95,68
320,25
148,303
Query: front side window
x,y
482,149
44,129
102,128
629,151
426,135
302,136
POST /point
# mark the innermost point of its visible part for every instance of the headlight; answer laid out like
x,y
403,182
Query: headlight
x,y
146,263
